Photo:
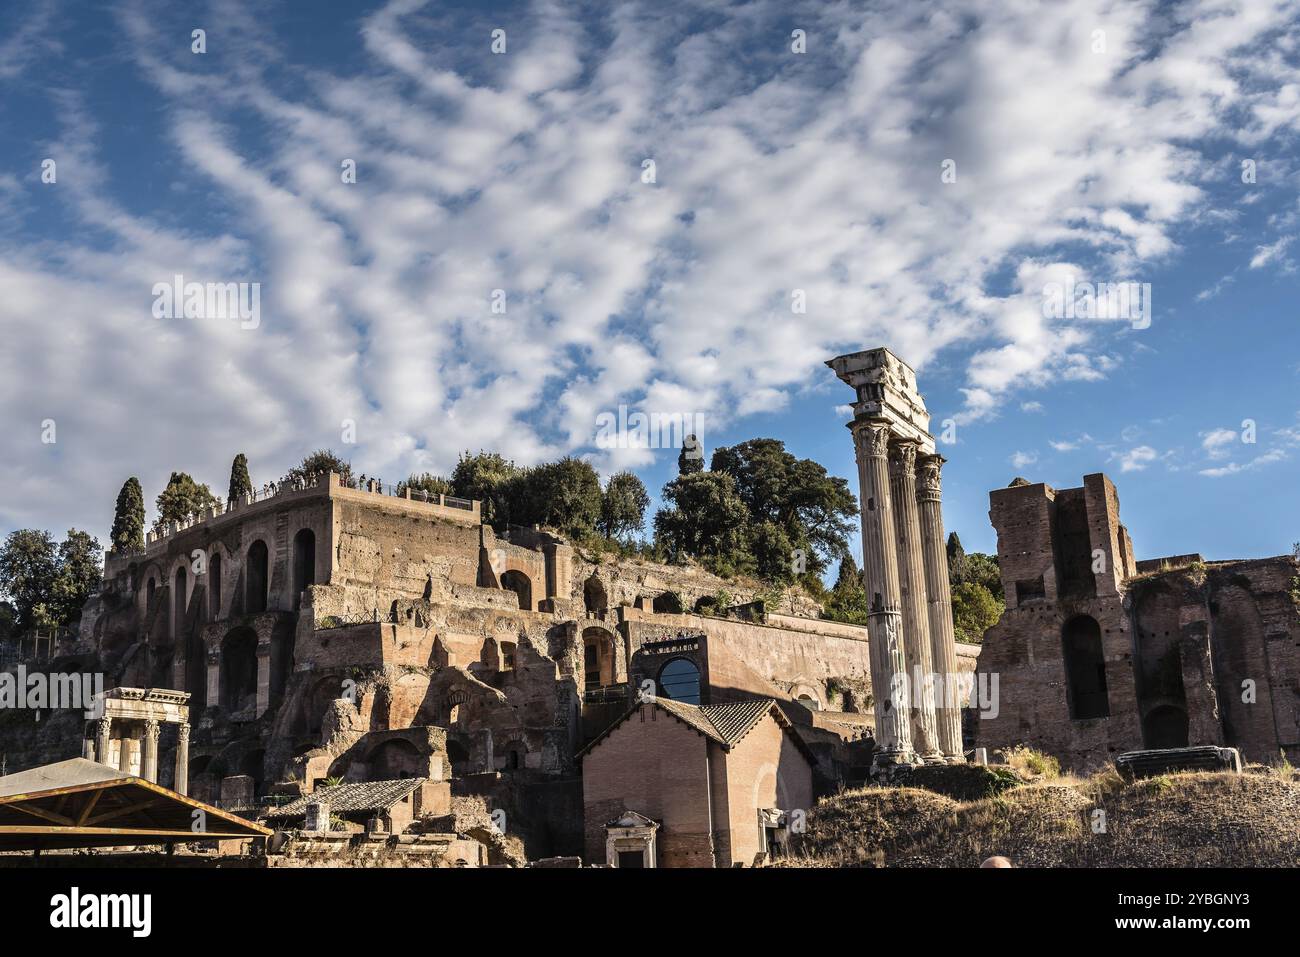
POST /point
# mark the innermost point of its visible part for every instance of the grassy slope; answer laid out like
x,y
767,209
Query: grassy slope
x,y
1180,820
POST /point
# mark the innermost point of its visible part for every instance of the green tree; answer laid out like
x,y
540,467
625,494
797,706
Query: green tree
x,y
563,495
848,599
78,575
816,511
956,560
181,500
127,534
623,505
774,553
320,462
691,458
28,564
8,620
705,519
984,570
974,611
432,485
240,484
491,480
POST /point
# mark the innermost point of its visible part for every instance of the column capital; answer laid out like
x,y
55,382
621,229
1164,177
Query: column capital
x,y
152,729
929,484
184,731
872,439
104,725
903,454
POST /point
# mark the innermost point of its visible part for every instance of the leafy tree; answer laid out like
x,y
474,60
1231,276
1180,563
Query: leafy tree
x,y
78,575
623,505
8,620
492,480
432,485
974,611
691,458
127,534
320,462
240,484
182,499
28,564
773,553
984,570
564,495
705,519
816,511
848,599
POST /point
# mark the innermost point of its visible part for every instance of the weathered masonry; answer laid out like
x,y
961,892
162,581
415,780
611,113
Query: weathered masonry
x,y
1098,654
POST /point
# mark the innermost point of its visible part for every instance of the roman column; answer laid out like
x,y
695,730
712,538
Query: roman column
x,y
880,578
182,778
916,622
149,763
104,739
934,555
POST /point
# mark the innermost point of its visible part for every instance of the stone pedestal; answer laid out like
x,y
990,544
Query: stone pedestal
x,y
880,578
916,619
934,554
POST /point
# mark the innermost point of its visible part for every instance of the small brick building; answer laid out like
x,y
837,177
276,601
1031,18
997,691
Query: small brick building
x,y
677,785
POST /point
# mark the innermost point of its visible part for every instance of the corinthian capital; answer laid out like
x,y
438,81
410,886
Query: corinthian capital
x,y
928,482
872,439
902,456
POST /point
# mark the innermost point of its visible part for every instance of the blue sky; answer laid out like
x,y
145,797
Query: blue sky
x,y
1092,141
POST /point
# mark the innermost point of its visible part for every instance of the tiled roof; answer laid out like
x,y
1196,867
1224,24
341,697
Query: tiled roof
x,y
354,798
724,723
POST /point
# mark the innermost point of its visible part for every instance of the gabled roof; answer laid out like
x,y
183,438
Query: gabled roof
x,y
81,803
632,819
357,797
727,724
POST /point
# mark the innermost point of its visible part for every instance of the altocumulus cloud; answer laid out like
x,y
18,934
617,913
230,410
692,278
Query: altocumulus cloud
x,y
775,172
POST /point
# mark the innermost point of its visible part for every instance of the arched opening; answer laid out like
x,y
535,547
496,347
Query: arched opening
x,y
304,564
178,605
809,702
281,659
594,598
520,584
214,586
458,755
149,590
251,765
597,659
255,578
667,603
1085,669
512,756
196,671
508,655
239,670
325,692
679,680
396,759
1165,727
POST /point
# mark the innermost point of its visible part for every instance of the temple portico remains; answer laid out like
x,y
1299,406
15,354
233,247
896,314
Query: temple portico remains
x,y
905,569
128,730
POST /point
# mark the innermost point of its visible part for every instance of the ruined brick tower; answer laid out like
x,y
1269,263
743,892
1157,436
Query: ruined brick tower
x,y
905,569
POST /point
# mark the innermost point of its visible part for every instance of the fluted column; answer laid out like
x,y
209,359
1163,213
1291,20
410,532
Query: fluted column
x,y
182,776
934,551
104,739
149,760
916,616
880,578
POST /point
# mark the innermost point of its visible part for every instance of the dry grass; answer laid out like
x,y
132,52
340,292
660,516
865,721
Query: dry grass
x,y
1178,820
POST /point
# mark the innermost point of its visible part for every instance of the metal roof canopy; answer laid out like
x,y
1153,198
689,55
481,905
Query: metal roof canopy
x,y
81,803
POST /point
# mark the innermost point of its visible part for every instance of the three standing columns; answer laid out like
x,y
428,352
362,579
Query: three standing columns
x,y
905,574
884,616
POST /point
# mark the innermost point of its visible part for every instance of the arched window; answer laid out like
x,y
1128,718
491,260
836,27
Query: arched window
x,y
508,656
255,578
594,599
214,586
1085,669
597,659
304,563
679,680
667,603
178,604
809,702
239,670
519,583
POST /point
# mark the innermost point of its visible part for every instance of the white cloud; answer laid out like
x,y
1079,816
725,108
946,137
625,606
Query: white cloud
x,y
1021,459
1216,442
522,173
1136,459
1270,253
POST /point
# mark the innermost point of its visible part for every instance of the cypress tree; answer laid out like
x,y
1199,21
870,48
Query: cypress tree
x,y
128,518
240,483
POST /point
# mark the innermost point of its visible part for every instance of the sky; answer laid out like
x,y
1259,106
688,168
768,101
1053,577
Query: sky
x,y
488,226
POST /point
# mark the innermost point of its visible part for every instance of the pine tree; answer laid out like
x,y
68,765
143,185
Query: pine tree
x,y
240,484
128,518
